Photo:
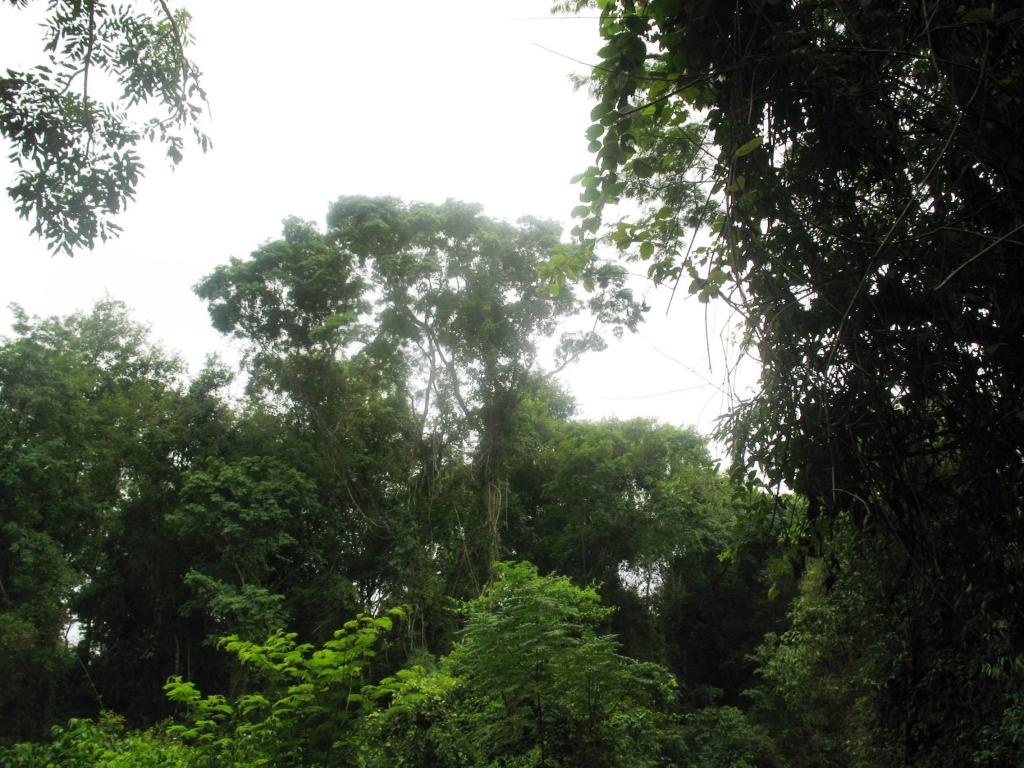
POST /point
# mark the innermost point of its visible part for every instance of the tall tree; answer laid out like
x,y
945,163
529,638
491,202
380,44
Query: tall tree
x,y
301,305
81,405
403,339
856,165
462,297
133,628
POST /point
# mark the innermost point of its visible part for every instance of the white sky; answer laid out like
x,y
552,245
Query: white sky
x,y
313,100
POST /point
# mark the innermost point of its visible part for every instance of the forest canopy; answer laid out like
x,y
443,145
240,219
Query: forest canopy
x,y
400,435
393,541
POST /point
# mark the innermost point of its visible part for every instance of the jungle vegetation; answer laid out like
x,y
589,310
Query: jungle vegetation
x,y
398,546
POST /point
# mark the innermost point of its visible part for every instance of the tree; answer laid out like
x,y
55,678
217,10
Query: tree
x,y
818,690
81,401
463,299
531,683
641,509
855,168
403,341
242,521
597,499
77,154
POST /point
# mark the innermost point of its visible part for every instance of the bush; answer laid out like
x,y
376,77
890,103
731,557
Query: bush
x,y
100,744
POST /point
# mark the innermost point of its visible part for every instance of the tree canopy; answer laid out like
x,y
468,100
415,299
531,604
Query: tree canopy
x,y
401,433
398,544
855,168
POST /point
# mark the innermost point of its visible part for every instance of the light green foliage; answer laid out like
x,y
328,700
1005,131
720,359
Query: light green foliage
x,y
532,683
305,703
417,728
77,157
101,744
724,737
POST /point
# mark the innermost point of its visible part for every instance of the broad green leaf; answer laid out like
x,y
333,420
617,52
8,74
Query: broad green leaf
x,y
750,146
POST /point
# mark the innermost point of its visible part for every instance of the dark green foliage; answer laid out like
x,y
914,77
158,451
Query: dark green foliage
x,y
36,580
176,518
856,166
75,396
77,156
819,686
724,737
244,518
640,509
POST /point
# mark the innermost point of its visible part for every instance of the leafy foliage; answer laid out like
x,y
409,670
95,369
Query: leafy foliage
x,y
306,707
724,737
77,158
530,683
399,431
819,688
409,333
75,395
640,508
854,166
242,513
101,744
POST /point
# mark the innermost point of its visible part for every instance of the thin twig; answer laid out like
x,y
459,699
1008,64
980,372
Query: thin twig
x,y
979,254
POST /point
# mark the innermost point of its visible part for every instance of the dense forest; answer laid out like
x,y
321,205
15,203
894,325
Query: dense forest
x,y
389,540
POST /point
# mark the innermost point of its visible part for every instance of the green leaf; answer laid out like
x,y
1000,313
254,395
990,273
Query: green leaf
x,y
600,111
642,168
749,147
979,15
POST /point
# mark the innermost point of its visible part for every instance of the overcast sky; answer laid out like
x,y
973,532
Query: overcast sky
x,y
313,100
